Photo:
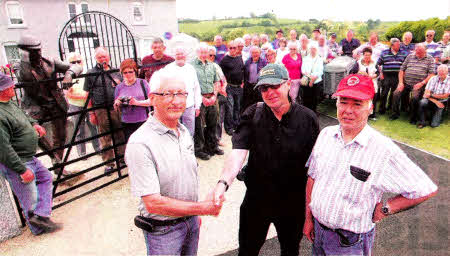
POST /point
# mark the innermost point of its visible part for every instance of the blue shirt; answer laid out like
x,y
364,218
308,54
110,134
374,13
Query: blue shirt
x,y
220,53
408,48
392,62
348,47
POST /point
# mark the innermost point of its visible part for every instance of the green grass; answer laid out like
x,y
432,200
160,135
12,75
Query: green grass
x,y
434,140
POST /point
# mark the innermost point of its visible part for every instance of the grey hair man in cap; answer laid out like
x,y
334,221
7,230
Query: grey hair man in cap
x,y
44,100
280,135
30,181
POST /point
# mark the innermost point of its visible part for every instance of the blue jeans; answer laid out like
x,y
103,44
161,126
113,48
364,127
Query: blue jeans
x,y
36,196
331,242
425,104
178,239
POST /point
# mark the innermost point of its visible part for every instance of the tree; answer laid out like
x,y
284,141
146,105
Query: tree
x,y
252,15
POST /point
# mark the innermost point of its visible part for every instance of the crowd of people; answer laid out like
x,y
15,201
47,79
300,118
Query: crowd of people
x,y
265,95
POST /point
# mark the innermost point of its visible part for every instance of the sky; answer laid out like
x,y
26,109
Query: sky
x,y
336,10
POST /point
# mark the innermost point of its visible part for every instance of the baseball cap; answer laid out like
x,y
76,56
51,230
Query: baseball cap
x,y
356,87
333,35
5,82
279,31
272,74
316,30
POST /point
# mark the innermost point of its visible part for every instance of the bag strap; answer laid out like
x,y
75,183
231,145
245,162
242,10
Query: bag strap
x,y
258,113
145,94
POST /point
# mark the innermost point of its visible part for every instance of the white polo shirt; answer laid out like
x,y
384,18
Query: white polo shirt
x,y
339,199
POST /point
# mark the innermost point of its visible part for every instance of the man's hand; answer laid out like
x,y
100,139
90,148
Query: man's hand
x,y
308,229
67,81
381,76
212,208
427,94
418,86
377,213
93,118
27,176
400,87
197,112
39,130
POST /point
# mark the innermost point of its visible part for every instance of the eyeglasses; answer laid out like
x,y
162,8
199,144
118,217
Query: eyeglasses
x,y
128,72
231,48
75,62
212,55
293,49
172,95
266,87
429,35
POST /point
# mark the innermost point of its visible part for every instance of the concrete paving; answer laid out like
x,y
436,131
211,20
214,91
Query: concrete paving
x,y
102,222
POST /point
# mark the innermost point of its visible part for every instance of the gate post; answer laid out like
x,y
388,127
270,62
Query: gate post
x,y
9,224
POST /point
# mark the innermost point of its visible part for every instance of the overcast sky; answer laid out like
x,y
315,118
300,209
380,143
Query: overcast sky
x,y
337,10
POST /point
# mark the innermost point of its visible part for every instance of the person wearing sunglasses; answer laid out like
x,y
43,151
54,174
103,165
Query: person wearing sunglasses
x,y
279,135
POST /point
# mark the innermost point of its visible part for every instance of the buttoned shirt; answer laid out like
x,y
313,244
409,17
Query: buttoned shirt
x,y
438,86
348,47
376,49
206,74
417,69
340,198
391,62
162,162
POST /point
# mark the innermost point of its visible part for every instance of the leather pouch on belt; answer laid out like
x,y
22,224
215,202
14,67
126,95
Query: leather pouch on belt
x,y
143,223
359,173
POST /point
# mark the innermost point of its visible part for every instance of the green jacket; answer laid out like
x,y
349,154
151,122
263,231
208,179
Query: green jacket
x,y
18,138
206,74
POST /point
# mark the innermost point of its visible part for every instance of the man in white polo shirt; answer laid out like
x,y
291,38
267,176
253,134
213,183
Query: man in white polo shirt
x,y
350,168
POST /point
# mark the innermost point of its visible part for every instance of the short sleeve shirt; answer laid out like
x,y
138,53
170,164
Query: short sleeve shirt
x,y
97,88
160,162
206,74
416,70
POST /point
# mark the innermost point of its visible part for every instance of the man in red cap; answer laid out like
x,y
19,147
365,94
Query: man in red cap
x,y
350,168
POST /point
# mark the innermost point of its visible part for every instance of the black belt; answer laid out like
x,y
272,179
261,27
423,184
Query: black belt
x,y
234,85
167,222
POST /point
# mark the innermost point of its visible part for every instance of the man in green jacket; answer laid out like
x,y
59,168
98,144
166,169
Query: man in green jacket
x,y
30,181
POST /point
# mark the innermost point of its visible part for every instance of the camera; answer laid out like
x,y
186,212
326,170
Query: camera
x,y
125,100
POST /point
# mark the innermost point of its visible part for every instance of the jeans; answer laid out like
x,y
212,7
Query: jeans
x,y
81,148
234,96
425,105
341,242
34,197
188,119
205,139
178,239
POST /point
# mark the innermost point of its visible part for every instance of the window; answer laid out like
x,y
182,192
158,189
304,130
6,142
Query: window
x,y
84,8
15,13
75,9
72,10
138,13
11,52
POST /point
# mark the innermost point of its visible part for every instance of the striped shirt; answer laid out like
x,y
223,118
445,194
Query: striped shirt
x,y
439,86
409,48
339,199
391,62
416,70
433,49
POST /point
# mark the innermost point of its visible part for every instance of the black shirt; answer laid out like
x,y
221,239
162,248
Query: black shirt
x,y
97,90
279,151
233,69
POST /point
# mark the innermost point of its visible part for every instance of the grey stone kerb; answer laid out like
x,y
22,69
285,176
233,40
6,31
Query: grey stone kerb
x,y
9,223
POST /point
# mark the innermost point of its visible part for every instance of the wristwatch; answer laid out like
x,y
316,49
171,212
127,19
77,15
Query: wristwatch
x,y
224,183
385,209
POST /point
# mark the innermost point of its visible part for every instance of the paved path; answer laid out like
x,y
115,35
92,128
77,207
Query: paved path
x,y
102,222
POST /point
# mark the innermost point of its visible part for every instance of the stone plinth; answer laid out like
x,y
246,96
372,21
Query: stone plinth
x,y
9,223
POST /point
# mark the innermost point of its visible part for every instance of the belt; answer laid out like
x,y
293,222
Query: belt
x,y
234,85
208,95
167,222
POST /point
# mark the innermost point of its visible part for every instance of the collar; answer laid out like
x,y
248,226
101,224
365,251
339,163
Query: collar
x,y
159,127
98,66
443,81
285,118
361,139
199,62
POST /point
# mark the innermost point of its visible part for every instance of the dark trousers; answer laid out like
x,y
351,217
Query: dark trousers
x,y
388,84
106,141
413,105
223,114
254,224
436,113
311,96
234,96
129,128
205,129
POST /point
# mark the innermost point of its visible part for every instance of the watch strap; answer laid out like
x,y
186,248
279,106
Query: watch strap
x,y
224,183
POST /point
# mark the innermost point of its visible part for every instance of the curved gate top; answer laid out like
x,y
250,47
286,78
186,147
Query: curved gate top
x,y
87,31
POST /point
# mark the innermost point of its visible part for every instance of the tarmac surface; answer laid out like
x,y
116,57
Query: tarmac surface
x,y
101,223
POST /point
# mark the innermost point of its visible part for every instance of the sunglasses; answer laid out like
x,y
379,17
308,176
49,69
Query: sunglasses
x,y
231,48
128,72
75,62
212,55
266,87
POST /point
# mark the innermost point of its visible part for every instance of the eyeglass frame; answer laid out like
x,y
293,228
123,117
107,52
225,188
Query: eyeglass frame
x,y
170,95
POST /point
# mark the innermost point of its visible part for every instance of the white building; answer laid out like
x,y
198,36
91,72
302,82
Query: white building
x,y
45,19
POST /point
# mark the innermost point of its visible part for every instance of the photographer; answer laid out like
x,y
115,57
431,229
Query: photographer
x,y
132,116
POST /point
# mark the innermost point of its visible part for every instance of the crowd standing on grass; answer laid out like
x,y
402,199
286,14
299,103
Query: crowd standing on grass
x,y
262,93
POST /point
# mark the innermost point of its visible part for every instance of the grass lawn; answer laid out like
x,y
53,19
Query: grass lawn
x,y
434,140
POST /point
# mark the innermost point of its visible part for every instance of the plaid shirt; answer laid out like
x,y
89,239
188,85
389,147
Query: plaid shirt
x,y
438,86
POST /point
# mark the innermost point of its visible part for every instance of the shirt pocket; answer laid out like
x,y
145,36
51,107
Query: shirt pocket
x,y
359,173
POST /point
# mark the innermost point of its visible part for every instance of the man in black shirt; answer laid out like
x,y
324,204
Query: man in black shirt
x,y
233,69
280,136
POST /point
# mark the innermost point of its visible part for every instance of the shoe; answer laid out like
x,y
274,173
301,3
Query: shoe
x,y
221,143
230,133
108,170
382,112
412,121
202,155
420,126
44,223
216,151
394,117
373,117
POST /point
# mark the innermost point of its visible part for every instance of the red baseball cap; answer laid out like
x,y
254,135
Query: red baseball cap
x,y
356,87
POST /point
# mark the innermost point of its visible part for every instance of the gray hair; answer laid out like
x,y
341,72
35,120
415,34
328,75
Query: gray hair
x,y
430,30
247,36
407,33
292,45
303,37
163,76
239,41
202,46
264,36
180,49
422,45
394,40
443,67
212,48
217,37
158,40
99,50
254,47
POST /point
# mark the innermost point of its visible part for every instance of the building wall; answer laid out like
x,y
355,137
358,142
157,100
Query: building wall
x,y
45,20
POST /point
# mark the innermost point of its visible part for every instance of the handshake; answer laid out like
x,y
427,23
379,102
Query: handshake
x,y
214,201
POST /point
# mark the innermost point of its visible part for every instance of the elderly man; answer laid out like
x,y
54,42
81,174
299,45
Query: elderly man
x,y
233,69
350,168
205,138
323,50
315,36
30,181
436,95
390,62
414,74
275,42
279,136
349,44
97,89
194,99
406,44
251,73
433,48
167,184
333,45
373,44
256,40
221,48
444,43
293,38
155,61
247,45
45,100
